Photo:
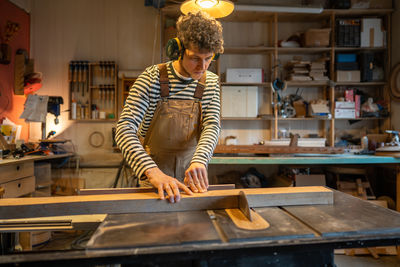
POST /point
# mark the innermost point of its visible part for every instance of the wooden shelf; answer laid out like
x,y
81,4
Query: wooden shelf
x,y
248,50
304,119
266,84
351,49
303,50
358,12
361,83
272,118
245,119
307,84
362,119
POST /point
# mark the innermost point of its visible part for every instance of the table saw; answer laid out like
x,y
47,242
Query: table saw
x,y
303,234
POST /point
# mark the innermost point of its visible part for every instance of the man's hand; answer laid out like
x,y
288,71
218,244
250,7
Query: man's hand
x,y
166,183
196,177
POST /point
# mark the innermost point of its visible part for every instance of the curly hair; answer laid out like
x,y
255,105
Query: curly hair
x,y
200,30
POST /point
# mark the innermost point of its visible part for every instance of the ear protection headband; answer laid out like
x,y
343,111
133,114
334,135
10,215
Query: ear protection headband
x,y
175,49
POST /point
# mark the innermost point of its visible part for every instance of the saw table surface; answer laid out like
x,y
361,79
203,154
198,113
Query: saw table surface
x,y
304,233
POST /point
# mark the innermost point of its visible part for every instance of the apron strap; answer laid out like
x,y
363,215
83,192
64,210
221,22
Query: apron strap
x,y
201,85
164,86
163,80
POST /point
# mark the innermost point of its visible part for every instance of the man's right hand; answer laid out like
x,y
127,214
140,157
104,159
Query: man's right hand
x,y
166,183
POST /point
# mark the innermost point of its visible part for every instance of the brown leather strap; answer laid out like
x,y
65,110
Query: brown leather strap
x,y
201,85
164,87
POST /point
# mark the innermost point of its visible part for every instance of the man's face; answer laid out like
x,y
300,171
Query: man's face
x,y
195,62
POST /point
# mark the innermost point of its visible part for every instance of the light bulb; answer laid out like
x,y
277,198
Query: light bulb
x,y
207,3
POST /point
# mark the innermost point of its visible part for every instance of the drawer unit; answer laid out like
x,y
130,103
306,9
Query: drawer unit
x,y
19,187
15,171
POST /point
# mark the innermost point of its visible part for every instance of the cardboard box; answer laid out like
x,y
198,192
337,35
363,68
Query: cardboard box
x,y
239,101
316,37
345,104
372,34
345,113
348,76
349,95
357,106
234,75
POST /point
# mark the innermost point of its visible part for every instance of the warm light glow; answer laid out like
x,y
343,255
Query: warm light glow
x,y
206,3
215,8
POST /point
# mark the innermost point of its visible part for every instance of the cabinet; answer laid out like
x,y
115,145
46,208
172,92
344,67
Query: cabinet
x,y
252,40
17,178
93,91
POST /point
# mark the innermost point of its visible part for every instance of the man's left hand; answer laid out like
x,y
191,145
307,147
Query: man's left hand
x,y
196,177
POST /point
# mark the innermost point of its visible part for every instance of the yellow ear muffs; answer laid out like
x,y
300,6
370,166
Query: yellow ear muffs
x,y
174,48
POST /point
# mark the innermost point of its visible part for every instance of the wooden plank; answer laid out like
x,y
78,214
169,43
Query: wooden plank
x,y
101,191
262,149
13,208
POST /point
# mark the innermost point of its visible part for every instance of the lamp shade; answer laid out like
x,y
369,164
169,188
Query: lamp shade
x,y
215,8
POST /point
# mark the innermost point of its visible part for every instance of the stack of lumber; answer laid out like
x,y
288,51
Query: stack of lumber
x,y
318,71
298,70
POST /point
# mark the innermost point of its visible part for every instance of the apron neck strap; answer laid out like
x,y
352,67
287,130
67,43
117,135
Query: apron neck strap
x,y
201,85
164,86
163,80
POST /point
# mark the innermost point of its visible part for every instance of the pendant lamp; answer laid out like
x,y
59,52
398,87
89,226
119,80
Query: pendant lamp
x,y
215,8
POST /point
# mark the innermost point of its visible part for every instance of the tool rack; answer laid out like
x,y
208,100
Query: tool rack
x,y
93,91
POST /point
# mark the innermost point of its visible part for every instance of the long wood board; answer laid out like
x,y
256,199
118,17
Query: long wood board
x,y
263,149
13,208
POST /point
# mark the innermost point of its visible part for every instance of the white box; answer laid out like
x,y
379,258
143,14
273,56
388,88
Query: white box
x,y
239,101
372,34
345,104
348,76
244,75
304,142
345,113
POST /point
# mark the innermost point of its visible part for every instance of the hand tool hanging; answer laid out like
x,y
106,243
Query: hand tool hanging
x,y
71,79
75,76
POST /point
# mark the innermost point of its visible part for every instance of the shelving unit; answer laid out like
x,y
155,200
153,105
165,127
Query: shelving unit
x,y
126,83
93,91
257,47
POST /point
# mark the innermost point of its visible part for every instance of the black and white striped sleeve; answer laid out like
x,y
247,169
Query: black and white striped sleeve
x,y
136,106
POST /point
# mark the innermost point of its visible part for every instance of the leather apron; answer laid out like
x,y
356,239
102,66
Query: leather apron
x,y
174,131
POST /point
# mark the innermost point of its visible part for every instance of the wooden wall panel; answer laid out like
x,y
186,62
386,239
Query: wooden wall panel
x,y
94,30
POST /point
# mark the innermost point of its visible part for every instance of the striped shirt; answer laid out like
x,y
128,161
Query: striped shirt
x,y
139,109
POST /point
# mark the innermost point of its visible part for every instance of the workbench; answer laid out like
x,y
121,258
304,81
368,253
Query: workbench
x,y
17,175
316,160
303,235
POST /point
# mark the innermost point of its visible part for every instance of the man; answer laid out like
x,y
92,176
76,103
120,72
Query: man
x,y
175,107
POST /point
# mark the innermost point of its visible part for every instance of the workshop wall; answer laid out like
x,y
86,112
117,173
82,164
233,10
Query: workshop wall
x,y
11,106
123,31
395,120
